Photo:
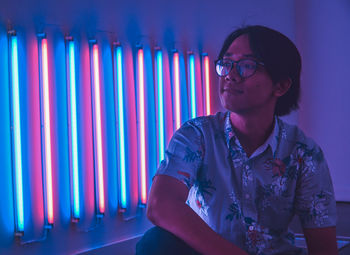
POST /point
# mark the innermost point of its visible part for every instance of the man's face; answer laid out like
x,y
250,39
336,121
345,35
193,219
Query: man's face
x,y
246,95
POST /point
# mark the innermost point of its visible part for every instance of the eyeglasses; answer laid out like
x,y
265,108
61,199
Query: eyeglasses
x,y
244,67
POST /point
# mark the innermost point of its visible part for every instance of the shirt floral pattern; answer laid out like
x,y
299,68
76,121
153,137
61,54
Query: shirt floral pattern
x,y
250,201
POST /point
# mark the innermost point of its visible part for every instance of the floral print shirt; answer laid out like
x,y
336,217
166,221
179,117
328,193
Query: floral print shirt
x,y
250,201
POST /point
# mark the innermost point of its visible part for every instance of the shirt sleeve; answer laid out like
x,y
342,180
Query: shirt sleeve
x,y
315,202
184,155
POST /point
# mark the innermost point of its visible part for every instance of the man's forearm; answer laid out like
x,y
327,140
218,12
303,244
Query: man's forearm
x,y
179,219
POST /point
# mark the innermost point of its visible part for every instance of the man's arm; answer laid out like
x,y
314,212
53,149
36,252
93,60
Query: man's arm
x,y
321,241
167,208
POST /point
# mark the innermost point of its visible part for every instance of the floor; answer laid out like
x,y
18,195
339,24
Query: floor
x,y
127,247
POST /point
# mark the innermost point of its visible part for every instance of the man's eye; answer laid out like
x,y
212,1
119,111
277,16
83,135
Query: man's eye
x,y
248,65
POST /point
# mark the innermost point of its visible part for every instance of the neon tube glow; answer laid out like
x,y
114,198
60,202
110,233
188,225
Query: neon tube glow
x,y
192,86
73,134
161,131
142,131
121,123
46,131
177,90
207,84
97,129
16,135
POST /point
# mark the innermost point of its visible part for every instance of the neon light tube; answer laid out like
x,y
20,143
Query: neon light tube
x,y
96,97
160,85
142,131
73,134
46,130
207,84
177,90
192,86
16,134
121,123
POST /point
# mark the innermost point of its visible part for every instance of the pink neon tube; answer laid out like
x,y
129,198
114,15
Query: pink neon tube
x,y
207,84
98,133
177,90
142,126
47,128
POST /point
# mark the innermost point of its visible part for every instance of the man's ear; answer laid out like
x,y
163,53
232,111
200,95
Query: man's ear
x,y
282,87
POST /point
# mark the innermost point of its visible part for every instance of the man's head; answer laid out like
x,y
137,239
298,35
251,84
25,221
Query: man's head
x,y
268,52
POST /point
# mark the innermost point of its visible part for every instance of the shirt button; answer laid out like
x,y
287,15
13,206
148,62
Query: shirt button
x,y
247,167
251,228
247,196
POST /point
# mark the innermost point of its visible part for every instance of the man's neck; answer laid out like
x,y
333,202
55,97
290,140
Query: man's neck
x,y
252,130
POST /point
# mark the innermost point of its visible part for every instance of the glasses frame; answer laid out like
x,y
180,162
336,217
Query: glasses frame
x,y
237,66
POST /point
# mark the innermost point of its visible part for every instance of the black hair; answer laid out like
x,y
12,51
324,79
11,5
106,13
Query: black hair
x,y
281,59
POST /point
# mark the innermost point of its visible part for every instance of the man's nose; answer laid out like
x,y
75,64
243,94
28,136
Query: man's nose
x,y
233,75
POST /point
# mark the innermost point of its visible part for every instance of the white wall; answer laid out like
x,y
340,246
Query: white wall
x,y
323,37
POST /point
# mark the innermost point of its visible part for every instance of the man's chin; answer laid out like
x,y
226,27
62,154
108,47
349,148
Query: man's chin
x,y
231,107
236,109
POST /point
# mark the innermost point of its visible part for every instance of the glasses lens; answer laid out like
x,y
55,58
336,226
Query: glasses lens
x,y
223,67
246,67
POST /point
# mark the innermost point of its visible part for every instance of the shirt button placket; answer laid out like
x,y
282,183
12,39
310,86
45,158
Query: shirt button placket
x,y
247,203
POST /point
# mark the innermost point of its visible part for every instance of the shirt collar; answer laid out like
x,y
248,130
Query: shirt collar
x,y
274,137
272,140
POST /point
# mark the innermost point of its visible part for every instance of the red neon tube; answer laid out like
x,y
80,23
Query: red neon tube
x,y
47,130
98,130
177,91
207,85
142,130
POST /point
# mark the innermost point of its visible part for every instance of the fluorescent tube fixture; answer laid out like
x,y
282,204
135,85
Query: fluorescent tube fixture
x,y
142,123
72,128
176,82
97,127
206,80
45,117
192,79
160,103
119,105
16,134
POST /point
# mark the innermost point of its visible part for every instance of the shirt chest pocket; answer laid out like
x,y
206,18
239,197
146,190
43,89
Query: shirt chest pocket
x,y
275,201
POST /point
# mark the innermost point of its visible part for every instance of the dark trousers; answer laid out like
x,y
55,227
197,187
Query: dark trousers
x,y
158,241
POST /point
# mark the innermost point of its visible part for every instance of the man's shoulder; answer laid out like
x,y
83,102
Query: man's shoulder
x,y
209,121
295,136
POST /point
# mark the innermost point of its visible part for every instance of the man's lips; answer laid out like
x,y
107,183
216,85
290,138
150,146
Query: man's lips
x,y
232,91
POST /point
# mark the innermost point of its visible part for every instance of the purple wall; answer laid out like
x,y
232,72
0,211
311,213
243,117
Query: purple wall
x,y
319,30
322,35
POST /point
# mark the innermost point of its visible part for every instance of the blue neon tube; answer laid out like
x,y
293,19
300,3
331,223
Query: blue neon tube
x,y
121,126
17,134
160,105
74,133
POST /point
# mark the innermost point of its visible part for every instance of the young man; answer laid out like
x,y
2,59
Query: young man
x,y
231,183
